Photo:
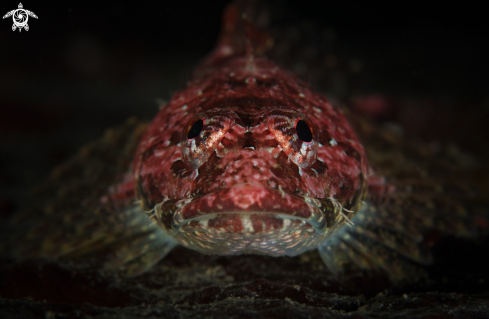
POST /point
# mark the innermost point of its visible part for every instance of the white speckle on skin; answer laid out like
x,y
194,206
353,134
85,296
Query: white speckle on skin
x,y
286,223
184,107
302,95
333,142
281,191
247,224
250,79
204,223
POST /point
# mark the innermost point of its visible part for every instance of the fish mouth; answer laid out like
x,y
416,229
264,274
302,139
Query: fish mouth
x,y
250,218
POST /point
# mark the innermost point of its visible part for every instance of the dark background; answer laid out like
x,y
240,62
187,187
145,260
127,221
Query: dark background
x,y
84,67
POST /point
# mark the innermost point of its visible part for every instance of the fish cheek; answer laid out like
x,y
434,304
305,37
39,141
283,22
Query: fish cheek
x,y
319,168
165,212
209,173
148,192
287,174
180,169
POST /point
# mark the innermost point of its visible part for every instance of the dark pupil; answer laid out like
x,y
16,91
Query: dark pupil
x,y
195,129
303,131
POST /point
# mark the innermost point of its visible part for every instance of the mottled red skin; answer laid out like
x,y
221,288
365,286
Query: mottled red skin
x,y
248,159
250,88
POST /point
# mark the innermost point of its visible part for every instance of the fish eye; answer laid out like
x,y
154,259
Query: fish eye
x,y
195,129
202,135
296,134
303,131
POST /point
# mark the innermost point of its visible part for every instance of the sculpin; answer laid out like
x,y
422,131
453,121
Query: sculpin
x,y
248,159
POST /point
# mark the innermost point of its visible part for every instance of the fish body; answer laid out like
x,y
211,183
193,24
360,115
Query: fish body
x,y
248,159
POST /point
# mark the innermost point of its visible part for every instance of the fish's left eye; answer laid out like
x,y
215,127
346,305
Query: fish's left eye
x,y
296,134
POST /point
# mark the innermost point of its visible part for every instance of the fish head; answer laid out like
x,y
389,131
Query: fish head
x,y
240,168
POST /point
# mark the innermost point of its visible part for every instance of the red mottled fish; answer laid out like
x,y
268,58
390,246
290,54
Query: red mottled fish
x,y
248,159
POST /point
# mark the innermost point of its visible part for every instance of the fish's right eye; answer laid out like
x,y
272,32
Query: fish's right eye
x,y
202,135
195,129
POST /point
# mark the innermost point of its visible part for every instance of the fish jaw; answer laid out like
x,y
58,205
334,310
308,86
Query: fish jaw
x,y
248,218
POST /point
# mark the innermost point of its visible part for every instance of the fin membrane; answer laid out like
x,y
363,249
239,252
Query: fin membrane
x,y
424,192
75,213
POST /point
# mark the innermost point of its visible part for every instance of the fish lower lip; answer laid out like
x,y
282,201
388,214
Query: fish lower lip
x,y
255,208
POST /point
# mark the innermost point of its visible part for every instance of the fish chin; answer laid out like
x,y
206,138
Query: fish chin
x,y
249,218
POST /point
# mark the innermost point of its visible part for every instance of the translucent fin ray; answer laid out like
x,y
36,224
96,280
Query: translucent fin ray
x,y
421,193
76,213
